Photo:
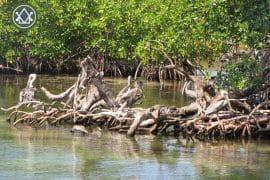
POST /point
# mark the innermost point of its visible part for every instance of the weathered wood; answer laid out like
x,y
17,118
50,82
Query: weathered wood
x,y
10,68
137,121
90,102
58,96
147,122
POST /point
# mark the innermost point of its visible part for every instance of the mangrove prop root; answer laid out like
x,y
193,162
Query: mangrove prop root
x,y
157,120
89,102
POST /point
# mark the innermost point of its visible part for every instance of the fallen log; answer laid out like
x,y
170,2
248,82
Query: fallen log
x,y
137,121
10,68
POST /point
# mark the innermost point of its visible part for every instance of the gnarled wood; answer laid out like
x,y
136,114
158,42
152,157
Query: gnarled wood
x,y
58,96
90,102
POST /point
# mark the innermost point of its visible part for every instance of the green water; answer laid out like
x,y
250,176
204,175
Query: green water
x,y
55,153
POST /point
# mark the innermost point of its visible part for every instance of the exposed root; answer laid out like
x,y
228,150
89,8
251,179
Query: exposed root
x,y
90,102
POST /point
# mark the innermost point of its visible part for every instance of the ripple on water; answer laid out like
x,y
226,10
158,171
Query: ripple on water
x,y
57,154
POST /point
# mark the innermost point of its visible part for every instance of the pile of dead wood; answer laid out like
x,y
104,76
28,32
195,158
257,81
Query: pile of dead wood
x,y
88,102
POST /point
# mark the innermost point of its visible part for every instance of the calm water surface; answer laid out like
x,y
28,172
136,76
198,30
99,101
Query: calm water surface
x,y
55,153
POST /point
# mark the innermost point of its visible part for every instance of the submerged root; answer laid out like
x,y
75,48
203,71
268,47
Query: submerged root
x,y
89,102
155,120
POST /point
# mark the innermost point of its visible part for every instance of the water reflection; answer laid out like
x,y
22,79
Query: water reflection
x,y
54,153
245,159
57,153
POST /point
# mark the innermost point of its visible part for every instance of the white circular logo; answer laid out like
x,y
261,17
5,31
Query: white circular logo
x,y
24,16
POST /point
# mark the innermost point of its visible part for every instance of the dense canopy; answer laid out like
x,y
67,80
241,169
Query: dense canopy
x,y
184,29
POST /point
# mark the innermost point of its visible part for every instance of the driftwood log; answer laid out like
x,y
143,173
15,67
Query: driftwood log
x,y
90,102
10,68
